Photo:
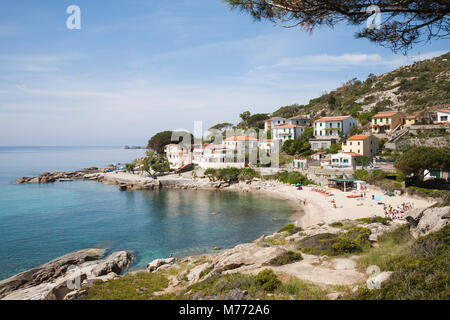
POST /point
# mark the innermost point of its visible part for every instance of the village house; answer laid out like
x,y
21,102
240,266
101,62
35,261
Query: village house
x,y
344,160
362,144
270,145
302,120
322,143
443,116
273,122
241,143
319,156
216,156
178,156
302,163
386,122
287,132
333,126
411,120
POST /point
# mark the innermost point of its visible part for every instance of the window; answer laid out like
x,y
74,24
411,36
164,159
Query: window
x,y
375,121
359,151
339,125
359,143
387,120
350,143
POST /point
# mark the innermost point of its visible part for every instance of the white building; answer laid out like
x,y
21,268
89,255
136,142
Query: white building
x,y
270,145
287,132
241,143
273,122
333,126
443,115
178,156
302,120
216,156
344,160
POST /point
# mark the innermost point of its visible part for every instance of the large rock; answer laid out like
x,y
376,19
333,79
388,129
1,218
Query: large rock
x,y
60,277
428,220
155,264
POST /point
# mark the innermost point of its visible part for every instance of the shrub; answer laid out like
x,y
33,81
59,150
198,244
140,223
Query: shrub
x,y
293,178
286,258
419,273
336,224
268,280
290,228
382,220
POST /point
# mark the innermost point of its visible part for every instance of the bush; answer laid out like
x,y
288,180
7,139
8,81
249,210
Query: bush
x,y
268,280
286,258
382,220
336,224
354,240
419,273
290,228
231,175
293,178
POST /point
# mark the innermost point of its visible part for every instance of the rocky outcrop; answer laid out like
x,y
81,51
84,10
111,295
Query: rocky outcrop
x,y
63,277
423,222
156,264
49,177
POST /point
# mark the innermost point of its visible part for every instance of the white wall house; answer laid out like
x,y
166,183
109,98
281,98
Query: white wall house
x,y
178,156
273,122
344,160
443,115
241,143
270,145
216,156
299,120
333,126
287,132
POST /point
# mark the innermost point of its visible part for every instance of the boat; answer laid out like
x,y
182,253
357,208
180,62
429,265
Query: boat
x,y
64,179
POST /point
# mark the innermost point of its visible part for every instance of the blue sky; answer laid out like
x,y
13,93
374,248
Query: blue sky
x,y
142,66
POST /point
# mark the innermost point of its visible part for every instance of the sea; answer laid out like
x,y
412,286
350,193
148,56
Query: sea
x,y
40,222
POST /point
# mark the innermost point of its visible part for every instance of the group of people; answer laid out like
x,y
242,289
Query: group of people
x,y
398,213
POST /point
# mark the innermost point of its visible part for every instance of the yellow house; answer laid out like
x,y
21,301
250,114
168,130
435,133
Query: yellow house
x,y
362,144
411,120
385,122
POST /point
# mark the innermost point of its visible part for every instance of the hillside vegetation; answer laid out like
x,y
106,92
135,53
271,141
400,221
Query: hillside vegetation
x,y
419,87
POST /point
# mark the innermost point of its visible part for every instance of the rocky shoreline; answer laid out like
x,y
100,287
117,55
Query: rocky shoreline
x,y
70,276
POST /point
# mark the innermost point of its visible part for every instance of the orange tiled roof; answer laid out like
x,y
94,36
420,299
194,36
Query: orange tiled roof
x,y
338,118
444,110
288,126
318,153
240,138
358,137
353,154
385,114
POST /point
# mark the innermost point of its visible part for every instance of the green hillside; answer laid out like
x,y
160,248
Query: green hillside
x,y
420,87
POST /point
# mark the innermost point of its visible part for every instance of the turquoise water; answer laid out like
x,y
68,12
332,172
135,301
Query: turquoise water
x,y
42,222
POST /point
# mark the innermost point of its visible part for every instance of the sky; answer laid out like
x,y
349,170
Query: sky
x,y
142,66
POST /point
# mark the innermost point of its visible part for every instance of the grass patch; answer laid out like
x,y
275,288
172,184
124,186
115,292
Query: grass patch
x,y
265,285
354,240
420,273
290,228
385,221
336,225
390,245
139,286
286,258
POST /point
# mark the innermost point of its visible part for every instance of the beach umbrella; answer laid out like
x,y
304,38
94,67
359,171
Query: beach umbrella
x,y
378,198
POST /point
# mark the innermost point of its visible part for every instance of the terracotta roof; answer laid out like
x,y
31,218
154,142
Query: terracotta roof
x,y
240,138
288,126
317,153
339,118
358,137
385,114
326,159
444,110
353,154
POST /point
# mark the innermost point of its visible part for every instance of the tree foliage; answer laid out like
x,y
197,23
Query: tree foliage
x,y
155,162
404,22
159,140
418,159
